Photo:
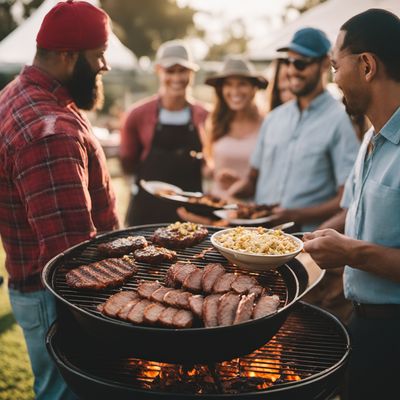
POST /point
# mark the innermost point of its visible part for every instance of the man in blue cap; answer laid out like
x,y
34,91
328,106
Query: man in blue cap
x,y
306,147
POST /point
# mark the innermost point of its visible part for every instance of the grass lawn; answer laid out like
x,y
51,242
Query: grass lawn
x,y
15,372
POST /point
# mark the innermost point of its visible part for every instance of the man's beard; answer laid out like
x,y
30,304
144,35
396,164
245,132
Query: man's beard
x,y
85,86
309,87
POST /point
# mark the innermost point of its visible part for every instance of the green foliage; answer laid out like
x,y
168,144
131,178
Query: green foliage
x,y
15,372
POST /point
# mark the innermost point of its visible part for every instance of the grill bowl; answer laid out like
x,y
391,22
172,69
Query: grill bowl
x,y
251,261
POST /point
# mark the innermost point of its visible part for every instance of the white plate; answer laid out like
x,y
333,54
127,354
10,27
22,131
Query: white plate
x,y
153,187
255,262
224,214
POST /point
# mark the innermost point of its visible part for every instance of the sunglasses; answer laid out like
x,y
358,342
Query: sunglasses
x,y
300,63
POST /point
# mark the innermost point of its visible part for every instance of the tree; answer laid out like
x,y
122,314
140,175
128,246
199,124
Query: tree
x,y
305,6
144,25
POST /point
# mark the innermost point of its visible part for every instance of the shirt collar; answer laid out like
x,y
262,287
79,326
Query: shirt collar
x,y
391,130
39,77
317,103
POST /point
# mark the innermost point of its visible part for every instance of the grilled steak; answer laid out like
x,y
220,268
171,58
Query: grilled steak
x,y
265,306
245,308
121,246
125,310
154,255
243,283
146,289
167,316
223,283
177,273
152,313
136,314
159,294
102,274
211,274
180,235
196,305
258,291
227,306
210,310
182,319
117,301
193,281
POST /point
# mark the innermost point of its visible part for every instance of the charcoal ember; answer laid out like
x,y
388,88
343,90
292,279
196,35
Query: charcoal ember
x,y
180,235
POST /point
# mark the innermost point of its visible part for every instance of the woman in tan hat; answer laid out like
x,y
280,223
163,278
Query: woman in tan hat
x,y
161,137
232,127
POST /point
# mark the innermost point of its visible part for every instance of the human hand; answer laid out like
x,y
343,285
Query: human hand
x,y
226,178
280,215
328,248
242,188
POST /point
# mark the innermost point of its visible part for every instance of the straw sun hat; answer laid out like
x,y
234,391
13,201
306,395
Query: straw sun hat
x,y
237,66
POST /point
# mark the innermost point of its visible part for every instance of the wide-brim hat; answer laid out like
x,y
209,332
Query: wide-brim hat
x,y
175,52
237,66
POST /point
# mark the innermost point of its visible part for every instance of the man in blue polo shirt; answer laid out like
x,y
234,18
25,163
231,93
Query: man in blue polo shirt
x,y
366,60
306,147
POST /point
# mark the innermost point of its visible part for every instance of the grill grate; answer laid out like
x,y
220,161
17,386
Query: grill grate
x,y
274,280
309,344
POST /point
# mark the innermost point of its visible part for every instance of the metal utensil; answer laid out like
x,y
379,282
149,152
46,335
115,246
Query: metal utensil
x,y
284,226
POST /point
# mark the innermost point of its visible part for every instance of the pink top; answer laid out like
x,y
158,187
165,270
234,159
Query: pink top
x,y
231,155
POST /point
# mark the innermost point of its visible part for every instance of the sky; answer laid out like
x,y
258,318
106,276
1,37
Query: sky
x,y
259,17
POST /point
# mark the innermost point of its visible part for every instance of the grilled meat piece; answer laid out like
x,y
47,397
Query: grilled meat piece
x,y
152,313
177,298
266,305
136,314
193,281
210,275
167,316
177,273
196,305
227,307
243,283
121,246
180,235
145,289
258,291
126,309
223,282
154,255
210,310
159,294
182,319
102,274
118,300
245,308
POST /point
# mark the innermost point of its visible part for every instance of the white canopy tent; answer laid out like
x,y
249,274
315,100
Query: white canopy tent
x,y
328,16
19,47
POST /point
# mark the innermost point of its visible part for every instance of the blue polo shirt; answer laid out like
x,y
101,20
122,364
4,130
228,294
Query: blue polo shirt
x,y
372,194
302,157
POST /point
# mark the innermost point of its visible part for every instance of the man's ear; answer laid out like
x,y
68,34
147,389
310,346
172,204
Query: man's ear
x,y
69,58
369,66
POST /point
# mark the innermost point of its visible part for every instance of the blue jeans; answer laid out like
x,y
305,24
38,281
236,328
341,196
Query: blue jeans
x,y
35,312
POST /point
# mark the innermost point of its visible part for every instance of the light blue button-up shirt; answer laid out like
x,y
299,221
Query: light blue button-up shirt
x,y
373,195
303,157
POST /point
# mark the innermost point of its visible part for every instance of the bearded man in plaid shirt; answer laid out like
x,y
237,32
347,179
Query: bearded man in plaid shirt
x,y
54,186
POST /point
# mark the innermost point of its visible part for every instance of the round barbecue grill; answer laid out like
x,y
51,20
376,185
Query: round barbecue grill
x,y
304,360
171,345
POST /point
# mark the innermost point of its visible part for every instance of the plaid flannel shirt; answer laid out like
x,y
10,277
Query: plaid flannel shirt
x,y
54,186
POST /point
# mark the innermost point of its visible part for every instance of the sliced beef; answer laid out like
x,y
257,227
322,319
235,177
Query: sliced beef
x,y
210,310
180,235
137,312
193,281
171,298
227,306
102,274
169,276
245,308
182,272
146,289
125,310
196,305
210,275
159,294
166,317
121,246
266,305
155,255
117,301
182,300
224,282
182,319
152,313
258,291
243,283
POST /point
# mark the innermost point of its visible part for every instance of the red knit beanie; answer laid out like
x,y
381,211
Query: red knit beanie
x,y
73,26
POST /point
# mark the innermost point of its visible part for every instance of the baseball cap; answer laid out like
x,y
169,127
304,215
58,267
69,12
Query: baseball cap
x,y
237,66
74,26
175,52
309,42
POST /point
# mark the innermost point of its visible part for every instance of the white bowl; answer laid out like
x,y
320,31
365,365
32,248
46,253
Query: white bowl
x,y
253,261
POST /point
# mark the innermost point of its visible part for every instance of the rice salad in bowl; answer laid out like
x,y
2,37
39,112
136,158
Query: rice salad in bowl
x,y
256,248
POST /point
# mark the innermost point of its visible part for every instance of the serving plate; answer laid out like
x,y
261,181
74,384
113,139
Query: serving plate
x,y
227,215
